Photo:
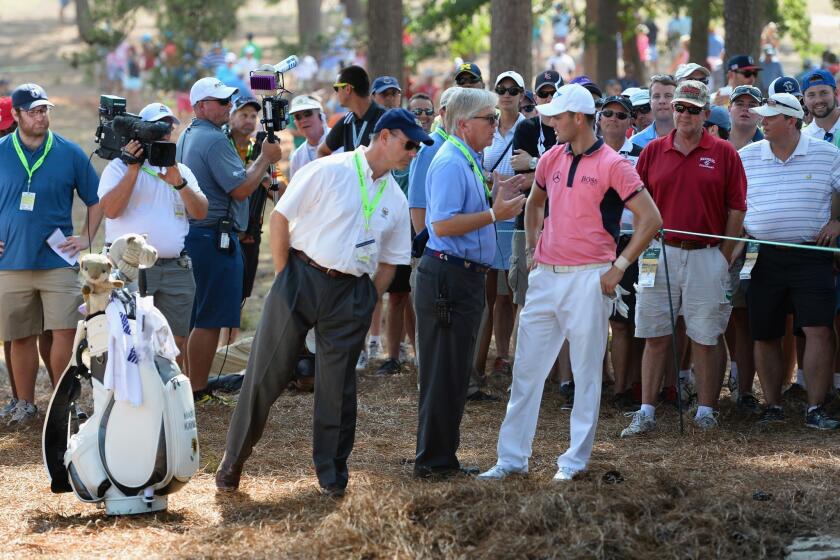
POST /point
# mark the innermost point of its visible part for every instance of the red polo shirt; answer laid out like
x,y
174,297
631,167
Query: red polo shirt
x,y
694,192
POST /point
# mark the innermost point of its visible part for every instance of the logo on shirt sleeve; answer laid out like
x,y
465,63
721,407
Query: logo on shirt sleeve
x,y
707,162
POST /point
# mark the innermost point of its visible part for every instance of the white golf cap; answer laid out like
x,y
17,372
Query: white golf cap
x,y
685,70
630,91
639,98
304,103
571,98
156,111
210,88
515,76
780,104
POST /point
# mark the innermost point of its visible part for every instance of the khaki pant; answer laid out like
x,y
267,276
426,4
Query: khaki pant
x,y
34,301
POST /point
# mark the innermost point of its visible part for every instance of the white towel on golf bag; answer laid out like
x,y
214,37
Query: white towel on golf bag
x,y
121,371
156,336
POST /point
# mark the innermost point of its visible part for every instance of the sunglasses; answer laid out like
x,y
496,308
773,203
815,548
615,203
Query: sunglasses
x,y
303,114
339,85
617,114
512,90
427,112
528,108
492,119
466,80
411,146
691,110
773,103
643,109
544,93
748,73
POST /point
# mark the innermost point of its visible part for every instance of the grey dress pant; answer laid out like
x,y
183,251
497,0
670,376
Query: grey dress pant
x,y
340,309
446,357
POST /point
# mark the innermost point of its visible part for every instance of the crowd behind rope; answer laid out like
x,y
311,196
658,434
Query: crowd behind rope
x,y
488,212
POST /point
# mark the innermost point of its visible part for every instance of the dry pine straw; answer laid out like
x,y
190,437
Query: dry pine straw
x,y
682,497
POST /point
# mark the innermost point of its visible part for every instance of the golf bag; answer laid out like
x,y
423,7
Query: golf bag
x,y
140,443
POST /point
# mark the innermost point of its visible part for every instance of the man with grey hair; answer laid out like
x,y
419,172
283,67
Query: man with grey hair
x,y
451,275
699,186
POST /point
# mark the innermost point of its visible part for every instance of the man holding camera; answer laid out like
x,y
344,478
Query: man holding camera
x,y
212,242
39,289
156,202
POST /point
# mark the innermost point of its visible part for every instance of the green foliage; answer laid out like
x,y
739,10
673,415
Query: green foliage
x,y
794,21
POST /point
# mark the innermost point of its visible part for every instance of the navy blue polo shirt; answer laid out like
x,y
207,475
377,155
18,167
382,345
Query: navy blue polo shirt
x,y
66,169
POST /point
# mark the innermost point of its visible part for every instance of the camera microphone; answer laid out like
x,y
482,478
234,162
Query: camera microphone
x,y
287,64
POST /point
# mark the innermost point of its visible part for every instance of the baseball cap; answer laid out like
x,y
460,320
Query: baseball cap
x,y
469,68
401,119
515,76
780,104
752,91
641,97
571,98
444,97
630,91
529,95
818,78
785,84
685,70
156,111
742,62
304,103
230,57
719,116
691,92
548,77
620,99
210,88
244,100
29,96
6,118
587,83
382,83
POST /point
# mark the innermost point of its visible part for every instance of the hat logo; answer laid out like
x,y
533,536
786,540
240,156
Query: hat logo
x,y
35,91
466,66
162,109
788,87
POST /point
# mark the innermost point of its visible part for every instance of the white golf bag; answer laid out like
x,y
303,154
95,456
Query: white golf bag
x,y
140,443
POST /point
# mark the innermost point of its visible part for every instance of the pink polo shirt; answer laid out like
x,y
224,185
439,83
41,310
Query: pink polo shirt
x,y
586,194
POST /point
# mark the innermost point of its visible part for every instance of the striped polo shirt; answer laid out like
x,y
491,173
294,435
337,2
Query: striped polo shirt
x,y
790,201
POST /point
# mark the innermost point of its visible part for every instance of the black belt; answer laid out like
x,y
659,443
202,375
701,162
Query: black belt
x,y
689,245
332,273
783,248
459,262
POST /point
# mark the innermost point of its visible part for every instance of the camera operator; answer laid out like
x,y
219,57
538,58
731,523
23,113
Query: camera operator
x,y
156,201
212,242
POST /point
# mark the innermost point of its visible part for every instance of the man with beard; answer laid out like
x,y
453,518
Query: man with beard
x,y
819,88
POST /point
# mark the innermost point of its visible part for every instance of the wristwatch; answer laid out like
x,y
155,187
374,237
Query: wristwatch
x,y
533,163
181,186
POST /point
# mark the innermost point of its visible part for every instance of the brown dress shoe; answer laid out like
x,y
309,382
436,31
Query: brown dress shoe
x,y
227,475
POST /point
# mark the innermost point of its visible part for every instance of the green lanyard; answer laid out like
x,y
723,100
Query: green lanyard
x,y
38,163
368,206
442,133
478,174
247,155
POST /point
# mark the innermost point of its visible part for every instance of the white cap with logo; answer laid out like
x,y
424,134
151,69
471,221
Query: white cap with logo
x,y
157,111
515,76
571,98
210,88
303,103
780,104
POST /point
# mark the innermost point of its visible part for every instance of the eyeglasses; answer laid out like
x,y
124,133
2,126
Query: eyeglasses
x,y
748,73
223,102
544,93
703,80
411,146
466,80
492,119
643,109
512,90
528,108
427,112
339,85
303,114
773,103
38,111
617,114
691,110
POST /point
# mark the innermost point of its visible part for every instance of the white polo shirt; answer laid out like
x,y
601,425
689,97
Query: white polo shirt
x,y
323,204
155,208
305,153
790,201
816,131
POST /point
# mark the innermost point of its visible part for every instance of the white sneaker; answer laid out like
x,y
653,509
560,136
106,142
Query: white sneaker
x,y
23,415
362,363
10,406
374,350
565,474
640,424
706,421
498,472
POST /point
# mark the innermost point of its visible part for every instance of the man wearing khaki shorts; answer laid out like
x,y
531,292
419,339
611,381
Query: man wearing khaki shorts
x,y
699,186
39,290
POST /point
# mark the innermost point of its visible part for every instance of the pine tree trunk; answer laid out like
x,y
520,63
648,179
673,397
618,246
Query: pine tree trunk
x,y
309,25
353,10
510,38
698,49
742,21
385,48
84,21
606,28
